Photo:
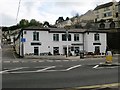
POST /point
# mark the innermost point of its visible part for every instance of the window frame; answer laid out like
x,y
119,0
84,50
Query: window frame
x,y
55,37
97,37
64,37
35,36
76,37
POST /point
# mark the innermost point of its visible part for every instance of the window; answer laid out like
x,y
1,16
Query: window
x,y
102,25
55,37
108,14
36,36
97,16
76,37
64,38
69,37
77,50
96,37
25,32
112,25
117,14
106,9
105,15
56,50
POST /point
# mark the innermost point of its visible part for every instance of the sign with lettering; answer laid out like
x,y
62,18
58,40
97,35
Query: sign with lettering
x,y
23,39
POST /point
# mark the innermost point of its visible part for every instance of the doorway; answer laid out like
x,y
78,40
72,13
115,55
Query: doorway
x,y
36,51
97,50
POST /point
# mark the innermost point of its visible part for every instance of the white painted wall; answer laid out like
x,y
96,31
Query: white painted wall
x,y
46,39
89,40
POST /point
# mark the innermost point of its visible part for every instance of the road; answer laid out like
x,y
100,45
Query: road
x,y
23,73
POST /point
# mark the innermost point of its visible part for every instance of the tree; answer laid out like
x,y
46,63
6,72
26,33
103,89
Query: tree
x,y
14,27
34,22
23,23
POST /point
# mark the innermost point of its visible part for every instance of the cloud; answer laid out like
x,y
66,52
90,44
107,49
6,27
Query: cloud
x,y
44,10
7,20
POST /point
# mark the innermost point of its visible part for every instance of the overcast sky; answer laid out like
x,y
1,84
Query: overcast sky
x,y
44,10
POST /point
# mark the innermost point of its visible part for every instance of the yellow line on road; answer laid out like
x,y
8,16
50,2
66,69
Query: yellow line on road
x,y
99,86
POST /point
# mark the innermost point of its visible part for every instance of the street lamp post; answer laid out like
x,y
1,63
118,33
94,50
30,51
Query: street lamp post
x,y
67,34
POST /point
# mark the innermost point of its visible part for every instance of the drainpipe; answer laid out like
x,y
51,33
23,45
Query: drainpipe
x,y
83,42
22,46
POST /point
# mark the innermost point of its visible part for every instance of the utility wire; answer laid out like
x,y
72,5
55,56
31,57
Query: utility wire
x,y
18,10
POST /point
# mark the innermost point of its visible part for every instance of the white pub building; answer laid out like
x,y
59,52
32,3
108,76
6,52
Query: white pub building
x,y
53,41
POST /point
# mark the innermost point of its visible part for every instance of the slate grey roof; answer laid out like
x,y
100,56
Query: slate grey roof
x,y
61,30
104,5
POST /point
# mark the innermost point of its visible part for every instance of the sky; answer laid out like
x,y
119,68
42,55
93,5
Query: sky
x,y
44,10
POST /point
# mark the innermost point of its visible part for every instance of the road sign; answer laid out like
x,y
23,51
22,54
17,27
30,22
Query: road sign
x,y
23,39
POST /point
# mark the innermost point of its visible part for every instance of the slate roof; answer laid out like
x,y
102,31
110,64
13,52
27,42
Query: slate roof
x,y
104,5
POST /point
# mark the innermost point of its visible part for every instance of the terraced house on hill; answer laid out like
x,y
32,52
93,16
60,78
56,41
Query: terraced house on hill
x,y
108,15
42,41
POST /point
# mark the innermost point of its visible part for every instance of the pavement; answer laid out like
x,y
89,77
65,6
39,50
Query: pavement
x,y
63,57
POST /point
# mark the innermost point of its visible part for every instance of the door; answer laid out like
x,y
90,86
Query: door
x,y
97,50
36,51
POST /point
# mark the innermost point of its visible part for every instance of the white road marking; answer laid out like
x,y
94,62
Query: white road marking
x,y
34,61
5,71
95,66
73,67
18,72
41,61
73,60
46,68
107,67
24,61
6,61
15,61
66,60
49,60
58,60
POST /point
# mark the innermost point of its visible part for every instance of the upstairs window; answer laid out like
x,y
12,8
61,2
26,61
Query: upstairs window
x,y
106,9
96,37
55,37
35,36
76,37
64,38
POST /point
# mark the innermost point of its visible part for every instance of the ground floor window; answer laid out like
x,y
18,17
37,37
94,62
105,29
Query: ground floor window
x,y
77,50
36,50
56,50
71,50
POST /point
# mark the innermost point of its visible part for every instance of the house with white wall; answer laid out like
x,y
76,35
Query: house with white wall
x,y
41,41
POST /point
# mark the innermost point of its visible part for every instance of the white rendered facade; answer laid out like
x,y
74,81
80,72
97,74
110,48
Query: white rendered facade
x,y
47,43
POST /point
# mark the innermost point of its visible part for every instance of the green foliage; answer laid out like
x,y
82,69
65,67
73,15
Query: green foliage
x,y
23,23
33,22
